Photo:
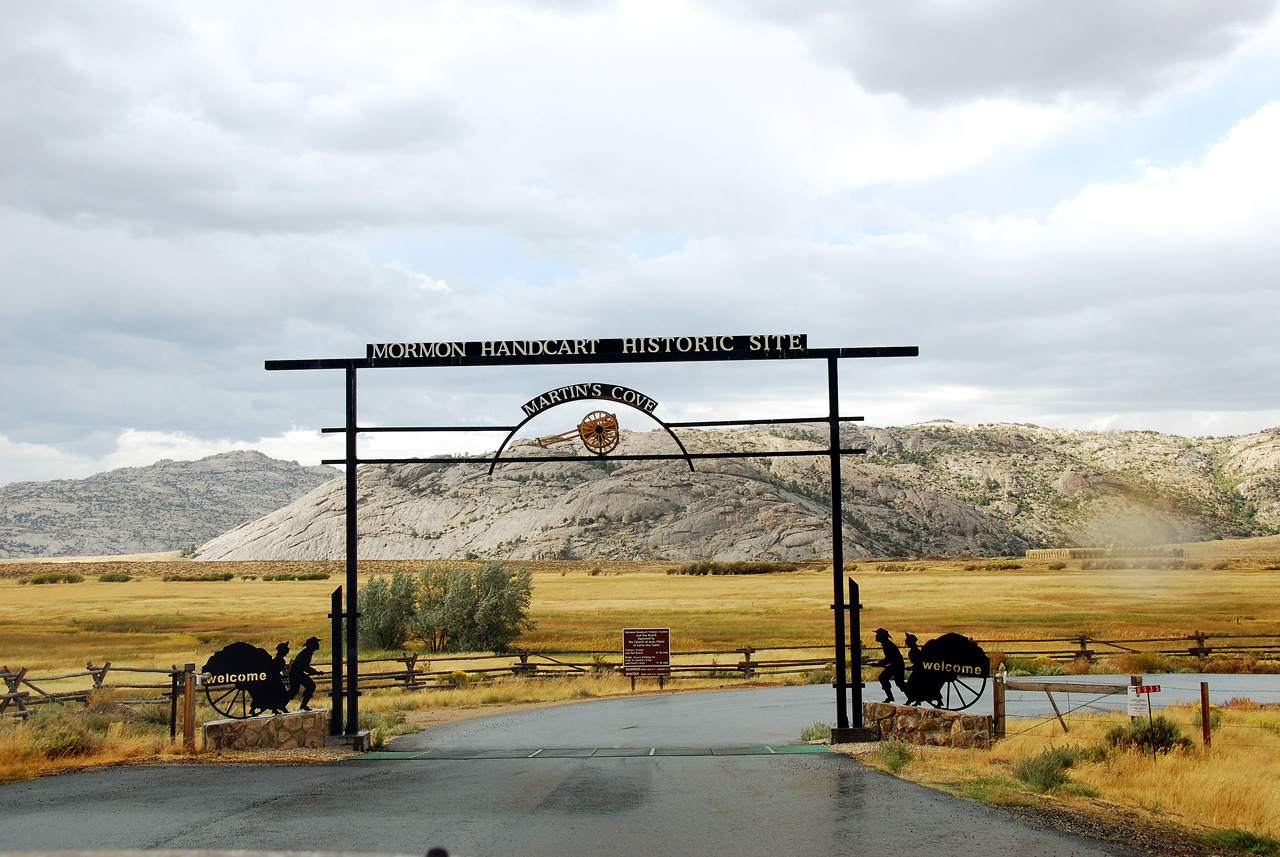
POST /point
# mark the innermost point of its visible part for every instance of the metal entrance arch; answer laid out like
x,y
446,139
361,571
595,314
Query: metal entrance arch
x,y
528,352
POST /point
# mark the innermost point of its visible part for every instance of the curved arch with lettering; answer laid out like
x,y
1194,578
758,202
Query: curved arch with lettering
x,y
579,392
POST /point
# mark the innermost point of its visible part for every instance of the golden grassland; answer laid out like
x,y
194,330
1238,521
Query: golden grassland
x,y
585,606
1232,784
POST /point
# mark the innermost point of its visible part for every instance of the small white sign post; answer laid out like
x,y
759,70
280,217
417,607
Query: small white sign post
x,y
1137,693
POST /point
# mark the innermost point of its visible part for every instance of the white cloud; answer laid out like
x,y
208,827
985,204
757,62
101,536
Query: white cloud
x,y
938,51
191,190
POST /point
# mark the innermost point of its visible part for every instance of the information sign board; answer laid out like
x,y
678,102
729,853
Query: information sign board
x,y
1139,699
646,651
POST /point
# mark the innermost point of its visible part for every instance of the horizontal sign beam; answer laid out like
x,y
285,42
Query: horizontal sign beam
x,y
533,352
591,459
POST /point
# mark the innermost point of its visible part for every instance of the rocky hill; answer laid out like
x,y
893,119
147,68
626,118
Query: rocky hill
x,y
162,507
936,487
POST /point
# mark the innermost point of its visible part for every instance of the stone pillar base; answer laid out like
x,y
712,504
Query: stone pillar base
x,y
361,742
268,732
929,726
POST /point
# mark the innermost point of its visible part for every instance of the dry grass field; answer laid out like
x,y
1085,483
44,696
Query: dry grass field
x,y
584,606
1198,792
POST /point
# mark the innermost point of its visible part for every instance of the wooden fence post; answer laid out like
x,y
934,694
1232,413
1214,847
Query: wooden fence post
x,y
997,705
1204,712
173,702
189,708
98,673
14,682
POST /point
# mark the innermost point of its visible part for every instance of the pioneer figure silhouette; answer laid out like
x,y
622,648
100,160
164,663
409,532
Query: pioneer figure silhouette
x,y
922,685
272,693
301,671
892,663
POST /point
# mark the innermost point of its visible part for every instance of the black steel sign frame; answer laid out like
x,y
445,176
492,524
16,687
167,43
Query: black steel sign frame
x,y
538,352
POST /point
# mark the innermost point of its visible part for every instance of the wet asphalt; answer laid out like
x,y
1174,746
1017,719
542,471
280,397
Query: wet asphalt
x,y
676,774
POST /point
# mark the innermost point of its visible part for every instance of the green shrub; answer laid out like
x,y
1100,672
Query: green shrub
x,y
826,675
114,577
816,732
1046,772
1143,734
1215,718
304,575
382,725
706,566
206,577
56,733
53,577
457,678
895,755
1057,566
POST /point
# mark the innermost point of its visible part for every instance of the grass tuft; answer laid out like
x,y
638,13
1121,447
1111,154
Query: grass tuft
x,y
816,732
52,577
895,755
991,789
1047,771
1242,840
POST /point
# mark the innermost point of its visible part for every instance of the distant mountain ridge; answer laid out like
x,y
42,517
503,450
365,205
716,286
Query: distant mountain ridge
x,y
165,506
937,487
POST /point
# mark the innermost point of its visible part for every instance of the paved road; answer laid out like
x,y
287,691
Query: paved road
x,y
690,774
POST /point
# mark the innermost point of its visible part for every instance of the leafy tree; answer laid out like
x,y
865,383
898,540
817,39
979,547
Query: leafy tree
x,y
447,608
473,610
387,609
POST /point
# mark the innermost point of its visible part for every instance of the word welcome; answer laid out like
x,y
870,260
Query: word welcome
x,y
958,669
228,678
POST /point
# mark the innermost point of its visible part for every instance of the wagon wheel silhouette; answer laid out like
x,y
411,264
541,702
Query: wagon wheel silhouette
x,y
959,692
229,700
599,432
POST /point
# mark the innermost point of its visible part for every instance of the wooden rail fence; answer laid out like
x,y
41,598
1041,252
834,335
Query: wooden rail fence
x,y
416,672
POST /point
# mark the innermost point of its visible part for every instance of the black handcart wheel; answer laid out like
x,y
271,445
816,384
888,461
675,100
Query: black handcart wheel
x,y
229,700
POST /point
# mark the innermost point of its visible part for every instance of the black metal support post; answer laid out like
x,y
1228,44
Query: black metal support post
x,y
837,542
335,678
353,645
855,650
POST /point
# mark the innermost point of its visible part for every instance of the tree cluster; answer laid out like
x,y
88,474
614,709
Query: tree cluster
x,y
447,608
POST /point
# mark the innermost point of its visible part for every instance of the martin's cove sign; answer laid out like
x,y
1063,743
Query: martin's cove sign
x,y
577,392
653,349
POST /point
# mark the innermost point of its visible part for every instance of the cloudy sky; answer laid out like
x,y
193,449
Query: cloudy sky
x,y
1072,208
